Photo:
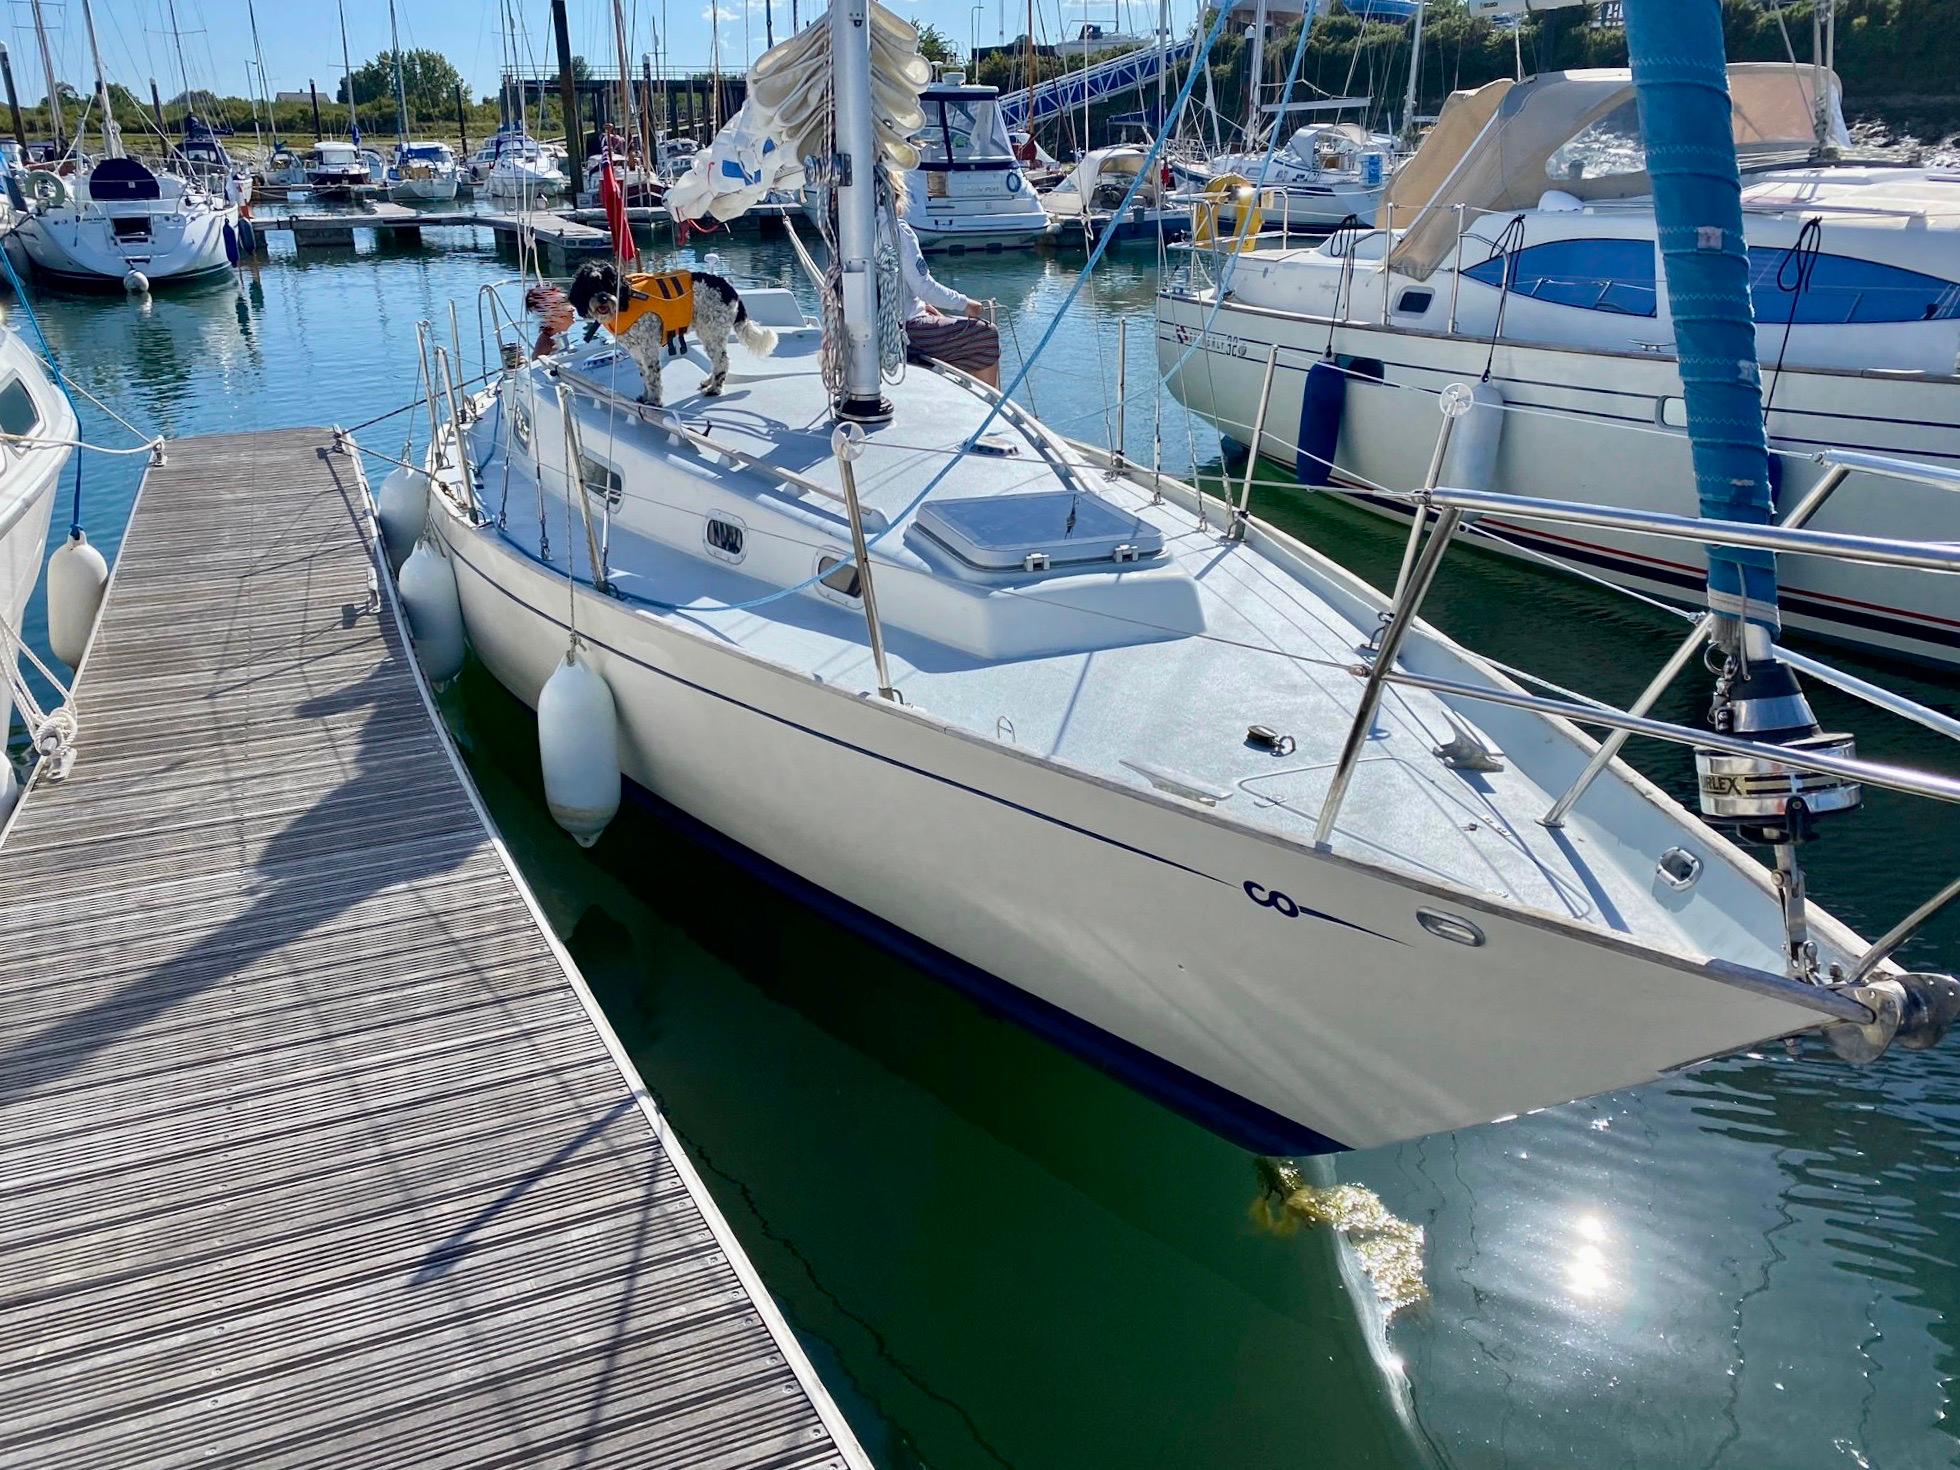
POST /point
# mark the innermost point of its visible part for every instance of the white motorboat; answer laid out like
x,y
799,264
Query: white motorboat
x,y
40,429
335,167
969,191
518,167
423,173
1523,258
1087,740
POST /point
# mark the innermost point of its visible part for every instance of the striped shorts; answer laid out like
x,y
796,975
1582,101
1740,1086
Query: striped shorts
x,y
964,342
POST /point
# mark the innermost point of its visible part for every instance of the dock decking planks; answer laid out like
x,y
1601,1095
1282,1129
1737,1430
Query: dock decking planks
x,y
313,1148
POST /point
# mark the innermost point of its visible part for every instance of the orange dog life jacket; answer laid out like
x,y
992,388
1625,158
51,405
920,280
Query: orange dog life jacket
x,y
669,296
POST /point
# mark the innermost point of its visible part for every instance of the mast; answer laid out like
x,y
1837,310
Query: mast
x,y
111,133
1415,76
714,68
47,69
183,71
1256,74
625,75
401,94
347,70
258,53
857,207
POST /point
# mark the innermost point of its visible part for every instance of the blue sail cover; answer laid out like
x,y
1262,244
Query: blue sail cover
x,y
1680,79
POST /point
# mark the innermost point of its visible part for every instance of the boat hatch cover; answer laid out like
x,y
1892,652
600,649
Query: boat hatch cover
x,y
1001,533
118,180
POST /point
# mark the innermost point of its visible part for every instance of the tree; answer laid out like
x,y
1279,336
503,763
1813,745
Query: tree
x,y
933,44
581,69
428,79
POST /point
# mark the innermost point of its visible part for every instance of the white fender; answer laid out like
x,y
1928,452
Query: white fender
x,y
435,612
578,745
1471,461
77,578
136,283
401,506
9,787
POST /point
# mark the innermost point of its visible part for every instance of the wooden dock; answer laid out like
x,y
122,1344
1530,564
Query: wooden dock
x,y
316,1148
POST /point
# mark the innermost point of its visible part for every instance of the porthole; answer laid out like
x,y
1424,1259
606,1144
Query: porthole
x,y
601,479
839,576
727,537
1414,300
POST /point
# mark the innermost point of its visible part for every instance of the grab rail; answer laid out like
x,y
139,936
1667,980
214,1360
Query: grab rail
x,y
1939,476
1934,556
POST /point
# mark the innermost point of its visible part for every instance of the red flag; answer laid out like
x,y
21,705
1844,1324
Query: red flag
x,y
614,199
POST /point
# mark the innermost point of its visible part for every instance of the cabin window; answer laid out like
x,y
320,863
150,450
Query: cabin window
x,y
727,537
1607,148
840,576
601,479
1596,275
18,413
1844,289
1414,300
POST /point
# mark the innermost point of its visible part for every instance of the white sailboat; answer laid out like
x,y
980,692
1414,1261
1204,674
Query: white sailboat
x,y
419,173
1325,173
1088,740
39,428
116,221
1524,258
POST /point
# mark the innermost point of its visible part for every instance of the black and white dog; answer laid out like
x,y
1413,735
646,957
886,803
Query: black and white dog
x,y
650,315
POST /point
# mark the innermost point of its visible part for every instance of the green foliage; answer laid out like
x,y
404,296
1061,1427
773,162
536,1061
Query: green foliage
x,y
933,44
427,77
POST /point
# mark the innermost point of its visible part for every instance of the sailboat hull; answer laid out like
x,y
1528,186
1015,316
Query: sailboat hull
x,y
85,249
1288,997
1594,426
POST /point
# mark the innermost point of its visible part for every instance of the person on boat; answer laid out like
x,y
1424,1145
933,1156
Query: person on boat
x,y
553,309
941,324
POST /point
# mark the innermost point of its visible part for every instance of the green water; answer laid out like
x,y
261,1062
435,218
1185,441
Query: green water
x,y
998,1256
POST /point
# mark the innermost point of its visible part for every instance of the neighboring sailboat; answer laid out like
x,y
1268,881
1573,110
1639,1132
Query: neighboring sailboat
x,y
1083,738
420,173
41,428
1524,258
1324,174
116,221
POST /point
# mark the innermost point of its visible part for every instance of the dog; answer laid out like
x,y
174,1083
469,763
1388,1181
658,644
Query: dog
x,y
651,314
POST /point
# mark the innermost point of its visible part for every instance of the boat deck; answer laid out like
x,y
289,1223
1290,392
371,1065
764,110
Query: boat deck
x,y
1152,707
317,1150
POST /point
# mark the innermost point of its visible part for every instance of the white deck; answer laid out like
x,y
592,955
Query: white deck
x,y
1177,706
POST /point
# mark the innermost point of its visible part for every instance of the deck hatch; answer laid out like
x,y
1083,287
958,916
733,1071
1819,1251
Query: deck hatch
x,y
1006,533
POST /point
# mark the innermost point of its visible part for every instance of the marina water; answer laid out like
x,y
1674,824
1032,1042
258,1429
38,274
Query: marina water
x,y
998,1256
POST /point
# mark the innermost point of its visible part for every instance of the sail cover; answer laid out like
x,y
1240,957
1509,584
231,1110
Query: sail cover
x,y
1502,146
787,119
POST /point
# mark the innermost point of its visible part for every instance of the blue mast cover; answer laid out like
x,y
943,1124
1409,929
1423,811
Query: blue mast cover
x,y
1681,80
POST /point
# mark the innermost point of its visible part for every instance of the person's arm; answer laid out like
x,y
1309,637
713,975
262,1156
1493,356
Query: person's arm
x,y
912,265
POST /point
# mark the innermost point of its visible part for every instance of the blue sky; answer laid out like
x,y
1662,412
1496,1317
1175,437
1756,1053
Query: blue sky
x,y
302,39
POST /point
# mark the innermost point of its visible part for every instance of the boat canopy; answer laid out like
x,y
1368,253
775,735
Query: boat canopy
x,y
122,181
1503,145
963,128
1310,142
